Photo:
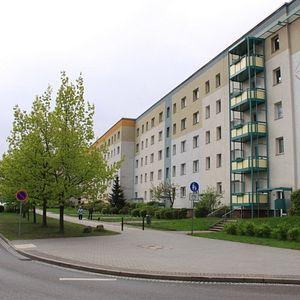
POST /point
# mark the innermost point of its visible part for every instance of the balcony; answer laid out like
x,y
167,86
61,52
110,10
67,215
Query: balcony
x,y
245,67
243,100
249,199
250,164
244,133
238,187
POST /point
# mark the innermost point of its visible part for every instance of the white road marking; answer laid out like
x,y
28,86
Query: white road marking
x,y
25,246
86,279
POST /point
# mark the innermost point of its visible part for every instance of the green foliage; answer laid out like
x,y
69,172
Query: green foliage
x,y
210,200
231,228
116,198
263,230
50,153
293,234
295,203
281,232
250,229
165,191
135,212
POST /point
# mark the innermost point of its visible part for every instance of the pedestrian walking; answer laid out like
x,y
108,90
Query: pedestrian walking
x,y
91,210
80,213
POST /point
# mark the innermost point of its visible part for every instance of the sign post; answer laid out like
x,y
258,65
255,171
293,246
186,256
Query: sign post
x,y
194,186
21,196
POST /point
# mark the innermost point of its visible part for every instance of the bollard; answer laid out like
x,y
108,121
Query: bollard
x,y
143,223
122,224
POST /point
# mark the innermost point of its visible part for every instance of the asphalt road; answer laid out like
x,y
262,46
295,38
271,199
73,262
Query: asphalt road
x,y
24,279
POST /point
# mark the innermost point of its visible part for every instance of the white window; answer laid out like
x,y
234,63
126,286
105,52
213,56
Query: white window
x,y
218,80
168,112
137,132
160,136
279,146
174,171
207,163
136,180
183,146
168,132
195,166
207,87
152,140
174,128
183,102
196,94
141,178
174,108
218,106
167,173
151,176
183,124
277,76
183,169
159,174
118,150
143,127
146,160
278,110
152,122
146,143
167,152
275,43
207,112
160,117
182,192
207,137
196,118
219,188
136,163
137,148
160,155
119,134
196,141
147,126
142,145
174,149
146,175
151,158
219,160
142,161
218,132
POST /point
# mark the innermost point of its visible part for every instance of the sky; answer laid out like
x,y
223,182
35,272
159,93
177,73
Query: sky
x,y
130,52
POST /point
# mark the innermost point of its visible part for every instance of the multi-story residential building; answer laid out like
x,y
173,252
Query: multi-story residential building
x,y
120,141
233,124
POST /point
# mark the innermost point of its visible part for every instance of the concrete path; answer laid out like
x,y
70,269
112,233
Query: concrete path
x,y
167,253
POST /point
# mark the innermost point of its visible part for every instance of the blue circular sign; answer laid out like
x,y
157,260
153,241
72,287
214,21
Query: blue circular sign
x,y
21,195
194,187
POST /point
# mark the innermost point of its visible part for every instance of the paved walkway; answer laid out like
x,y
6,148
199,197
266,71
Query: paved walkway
x,y
166,253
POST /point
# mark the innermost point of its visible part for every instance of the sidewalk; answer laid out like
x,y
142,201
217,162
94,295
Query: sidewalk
x,y
166,255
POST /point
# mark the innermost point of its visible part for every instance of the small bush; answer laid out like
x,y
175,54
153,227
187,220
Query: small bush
x,y
113,210
263,230
158,213
231,228
105,211
250,229
201,211
293,234
87,229
124,210
182,212
282,232
241,228
135,212
143,212
168,213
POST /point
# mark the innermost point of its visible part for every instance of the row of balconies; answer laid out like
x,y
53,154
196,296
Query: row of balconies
x,y
250,164
241,100
241,132
246,66
248,199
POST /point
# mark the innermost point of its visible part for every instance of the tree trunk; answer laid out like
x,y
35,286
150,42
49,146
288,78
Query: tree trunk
x,y
44,221
34,214
61,219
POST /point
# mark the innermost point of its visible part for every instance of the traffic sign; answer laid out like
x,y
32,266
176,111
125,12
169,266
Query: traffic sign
x,y
194,186
22,195
194,197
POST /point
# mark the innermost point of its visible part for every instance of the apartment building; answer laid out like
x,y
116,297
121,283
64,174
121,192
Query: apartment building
x,y
233,124
120,141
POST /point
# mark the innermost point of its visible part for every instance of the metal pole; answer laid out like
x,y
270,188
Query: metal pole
x,y
122,224
192,231
143,223
20,217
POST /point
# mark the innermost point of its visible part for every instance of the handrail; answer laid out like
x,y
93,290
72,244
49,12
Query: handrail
x,y
230,212
213,212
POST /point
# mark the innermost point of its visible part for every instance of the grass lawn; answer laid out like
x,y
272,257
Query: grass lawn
x,y
179,225
272,222
9,225
105,218
250,240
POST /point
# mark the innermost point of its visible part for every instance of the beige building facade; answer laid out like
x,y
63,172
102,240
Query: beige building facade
x,y
234,124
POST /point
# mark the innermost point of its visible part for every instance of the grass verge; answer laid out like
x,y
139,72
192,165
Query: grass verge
x,y
178,225
9,226
250,240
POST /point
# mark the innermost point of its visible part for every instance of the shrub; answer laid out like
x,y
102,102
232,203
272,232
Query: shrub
x,y
221,211
124,210
241,228
282,232
201,211
231,228
135,212
1,208
105,211
113,210
143,212
295,203
168,213
182,212
158,214
293,234
87,229
263,230
250,229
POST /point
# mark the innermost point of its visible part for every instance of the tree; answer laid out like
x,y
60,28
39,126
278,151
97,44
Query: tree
x,y
295,201
165,191
209,200
50,153
116,198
